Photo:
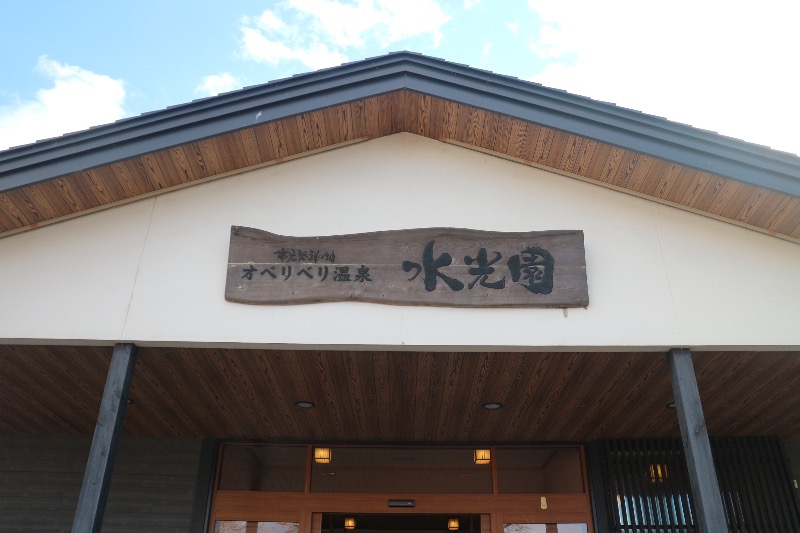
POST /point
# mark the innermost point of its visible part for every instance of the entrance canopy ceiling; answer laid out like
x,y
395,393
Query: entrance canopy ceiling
x,y
396,396
647,156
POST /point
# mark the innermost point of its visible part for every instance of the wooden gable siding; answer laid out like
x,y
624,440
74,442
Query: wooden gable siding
x,y
396,396
401,111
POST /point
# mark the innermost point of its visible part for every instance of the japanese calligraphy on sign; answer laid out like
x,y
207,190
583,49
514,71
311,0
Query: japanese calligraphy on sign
x,y
432,266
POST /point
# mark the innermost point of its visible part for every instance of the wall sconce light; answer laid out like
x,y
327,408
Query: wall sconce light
x,y
483,457
452,524
322,455
349,522
658,473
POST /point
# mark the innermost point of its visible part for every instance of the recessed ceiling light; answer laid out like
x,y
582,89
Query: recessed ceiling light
x,y
492,405
303,405
671,405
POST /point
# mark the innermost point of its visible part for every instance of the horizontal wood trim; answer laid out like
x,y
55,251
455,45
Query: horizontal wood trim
x,y
547,517
234,505
83,192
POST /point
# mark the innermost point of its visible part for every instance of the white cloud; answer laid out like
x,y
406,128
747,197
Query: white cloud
x,y
551,43
269,21
486,49
712,64
513,26
257,47
77,100
469,4
319,33
217,83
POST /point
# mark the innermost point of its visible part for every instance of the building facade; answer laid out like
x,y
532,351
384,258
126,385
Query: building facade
x,y
116,257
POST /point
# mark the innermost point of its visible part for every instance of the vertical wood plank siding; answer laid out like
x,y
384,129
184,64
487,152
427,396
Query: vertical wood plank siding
x,y
753,475
151,490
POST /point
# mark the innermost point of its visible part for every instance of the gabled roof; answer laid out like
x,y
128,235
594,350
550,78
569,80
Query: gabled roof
x,y
693,169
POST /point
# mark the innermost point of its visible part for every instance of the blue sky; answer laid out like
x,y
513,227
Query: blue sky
x,y
724,66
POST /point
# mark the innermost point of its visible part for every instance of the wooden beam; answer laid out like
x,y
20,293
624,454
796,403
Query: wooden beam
x,y
97,479
708,510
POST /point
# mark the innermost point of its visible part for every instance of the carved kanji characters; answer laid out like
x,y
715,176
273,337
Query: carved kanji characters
x,y
431,268
534,266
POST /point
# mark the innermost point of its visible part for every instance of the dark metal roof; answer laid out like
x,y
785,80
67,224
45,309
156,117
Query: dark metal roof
x,y
700,149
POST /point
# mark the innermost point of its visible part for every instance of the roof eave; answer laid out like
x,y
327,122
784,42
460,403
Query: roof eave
x,y
654,136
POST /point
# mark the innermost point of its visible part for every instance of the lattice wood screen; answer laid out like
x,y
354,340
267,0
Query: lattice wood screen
x,y
647,486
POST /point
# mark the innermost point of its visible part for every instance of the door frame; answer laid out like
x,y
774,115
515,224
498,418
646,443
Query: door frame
x,y
495,509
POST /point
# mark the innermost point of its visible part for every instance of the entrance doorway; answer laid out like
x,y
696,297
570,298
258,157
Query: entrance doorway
x,y
400,523
290,488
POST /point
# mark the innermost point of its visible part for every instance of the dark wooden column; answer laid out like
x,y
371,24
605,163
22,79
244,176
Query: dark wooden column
x,y
708,510
204,486
97,479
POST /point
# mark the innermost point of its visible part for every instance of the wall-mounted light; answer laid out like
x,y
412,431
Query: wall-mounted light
x,y
322,455
452,524
483,457
349,522
658,473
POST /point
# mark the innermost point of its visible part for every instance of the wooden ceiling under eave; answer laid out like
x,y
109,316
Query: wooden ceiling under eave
x,y
367,396
64,197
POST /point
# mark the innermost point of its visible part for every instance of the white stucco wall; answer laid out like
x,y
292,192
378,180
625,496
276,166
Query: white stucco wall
x,y
153,271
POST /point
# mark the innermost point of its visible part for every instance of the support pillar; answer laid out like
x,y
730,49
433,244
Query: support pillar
x,y
708,510
97,479
204,487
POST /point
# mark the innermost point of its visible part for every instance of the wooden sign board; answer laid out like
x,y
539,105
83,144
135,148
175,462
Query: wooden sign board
x,y
432,266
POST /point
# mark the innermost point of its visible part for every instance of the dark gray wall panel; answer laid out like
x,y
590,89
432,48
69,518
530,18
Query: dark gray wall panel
x,y
40,479
151,490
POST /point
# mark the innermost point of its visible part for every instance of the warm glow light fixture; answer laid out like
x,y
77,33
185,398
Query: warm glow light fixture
x,y
658,473
483,457
349,522
322,455
452,524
